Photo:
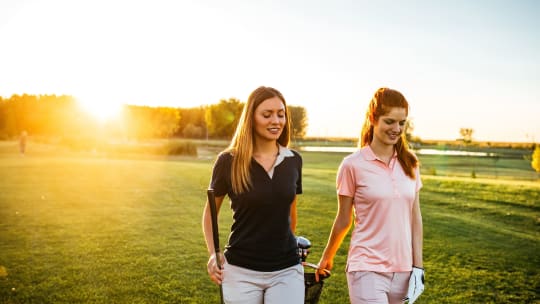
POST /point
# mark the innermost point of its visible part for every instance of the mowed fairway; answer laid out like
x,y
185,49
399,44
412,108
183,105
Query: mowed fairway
x,y
84,229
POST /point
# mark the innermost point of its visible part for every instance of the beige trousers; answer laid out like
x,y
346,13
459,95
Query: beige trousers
x,y
377,287
245,286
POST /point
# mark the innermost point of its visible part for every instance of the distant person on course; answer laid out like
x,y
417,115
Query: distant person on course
x,y
262,179
380,184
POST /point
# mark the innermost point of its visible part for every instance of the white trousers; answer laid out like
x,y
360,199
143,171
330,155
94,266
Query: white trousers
x,y
245,286
377,287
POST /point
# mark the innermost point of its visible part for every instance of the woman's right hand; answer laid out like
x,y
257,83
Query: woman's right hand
x,y
324,267
215,270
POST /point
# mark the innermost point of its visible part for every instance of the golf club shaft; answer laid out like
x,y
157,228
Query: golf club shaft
x,y
215,231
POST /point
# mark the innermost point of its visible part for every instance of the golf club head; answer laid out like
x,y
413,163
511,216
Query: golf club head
x,y
303,245
302,242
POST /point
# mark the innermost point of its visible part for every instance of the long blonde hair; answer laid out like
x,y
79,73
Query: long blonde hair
x,y
242,142
380,104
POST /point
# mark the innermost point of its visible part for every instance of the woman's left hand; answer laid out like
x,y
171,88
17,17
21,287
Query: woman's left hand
x,y
214,270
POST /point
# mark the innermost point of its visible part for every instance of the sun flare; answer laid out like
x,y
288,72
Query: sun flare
x,y
100,109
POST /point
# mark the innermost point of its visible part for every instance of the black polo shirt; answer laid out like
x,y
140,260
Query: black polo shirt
x,y
261,238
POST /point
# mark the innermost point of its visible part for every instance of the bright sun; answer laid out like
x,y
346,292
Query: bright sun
x,y
100,108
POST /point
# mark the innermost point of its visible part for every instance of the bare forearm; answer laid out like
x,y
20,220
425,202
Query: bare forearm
x,y
341,225
338,233
417,245
207,230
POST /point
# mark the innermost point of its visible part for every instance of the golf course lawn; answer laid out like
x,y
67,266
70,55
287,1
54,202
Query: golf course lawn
x,y
96,229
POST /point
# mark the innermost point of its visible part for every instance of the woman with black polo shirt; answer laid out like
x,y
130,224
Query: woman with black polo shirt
x,y
262,177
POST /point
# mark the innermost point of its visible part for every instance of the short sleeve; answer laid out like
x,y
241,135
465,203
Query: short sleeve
x,y
221,174
346,179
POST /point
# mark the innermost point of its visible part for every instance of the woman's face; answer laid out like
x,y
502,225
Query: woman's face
x,y
269,119
389,127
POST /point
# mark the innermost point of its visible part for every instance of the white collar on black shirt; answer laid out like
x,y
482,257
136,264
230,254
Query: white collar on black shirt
x,y
283,152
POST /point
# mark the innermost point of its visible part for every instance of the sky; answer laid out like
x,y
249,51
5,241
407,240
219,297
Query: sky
x,y
460,64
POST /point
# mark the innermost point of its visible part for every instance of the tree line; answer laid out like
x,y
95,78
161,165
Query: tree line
x,y
62,116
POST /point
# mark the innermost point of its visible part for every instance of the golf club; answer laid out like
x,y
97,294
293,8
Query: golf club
x,y
313,287
215,232
303,246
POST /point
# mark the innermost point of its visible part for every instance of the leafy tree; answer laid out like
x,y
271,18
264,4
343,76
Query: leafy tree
x,y
62,116
193,131
147,122
414,142
41,115
466,134
194,118
535,163
223,117
408,130
298,121
167,120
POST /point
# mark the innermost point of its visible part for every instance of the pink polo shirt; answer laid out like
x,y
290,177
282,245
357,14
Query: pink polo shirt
x,y
383,198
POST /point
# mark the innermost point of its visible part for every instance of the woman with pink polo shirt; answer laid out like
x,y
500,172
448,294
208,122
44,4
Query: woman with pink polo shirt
x,y
380,183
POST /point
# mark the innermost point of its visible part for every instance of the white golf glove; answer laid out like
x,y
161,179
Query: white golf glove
x,y
416,285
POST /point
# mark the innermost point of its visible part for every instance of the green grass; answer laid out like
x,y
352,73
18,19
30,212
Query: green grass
x,y
483,167
91,229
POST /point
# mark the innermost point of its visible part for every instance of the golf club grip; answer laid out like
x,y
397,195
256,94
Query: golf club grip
x,y
215,230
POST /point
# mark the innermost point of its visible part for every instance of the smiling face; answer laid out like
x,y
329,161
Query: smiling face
x,y
269,119
388,128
